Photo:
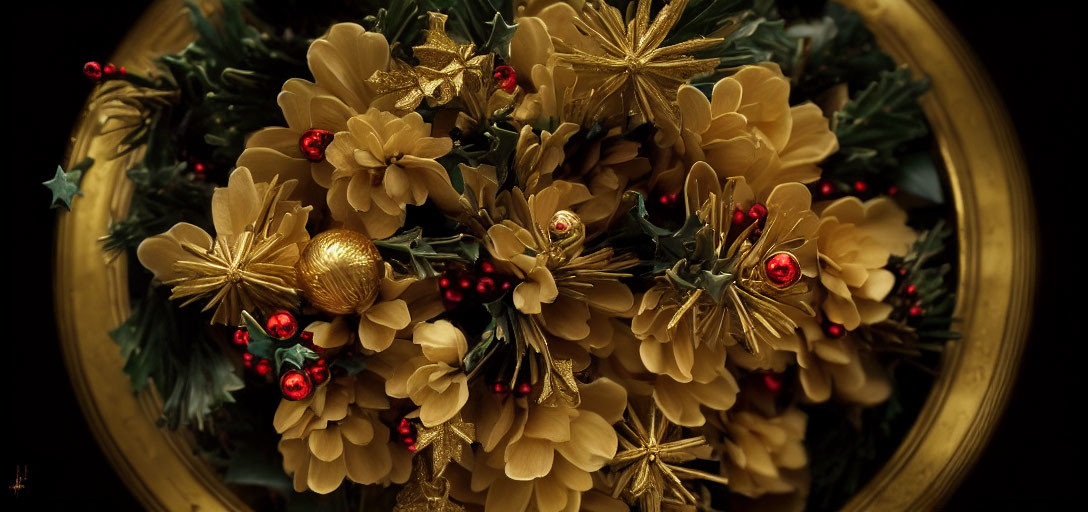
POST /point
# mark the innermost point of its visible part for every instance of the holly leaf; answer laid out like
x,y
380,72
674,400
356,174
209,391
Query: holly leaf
x,y
260,343
65,185
499,40
422,252
295,355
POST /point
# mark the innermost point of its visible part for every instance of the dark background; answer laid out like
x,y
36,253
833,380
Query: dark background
x,y
1035,456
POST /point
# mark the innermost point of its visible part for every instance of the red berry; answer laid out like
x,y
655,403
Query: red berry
x,y
500,388
412,448
524,389
911,289
282,325
506,78
827,188
506,285
313,142
93,70
465,282
893,190
861,186
122,70
485,285
109,69
247,357
487,267
248,363
772,382
444,282
199,168
916,311
404,428
739,217
306,336
296,385
241,337
834,330
782,269
318,374
454,295
757,212
263,367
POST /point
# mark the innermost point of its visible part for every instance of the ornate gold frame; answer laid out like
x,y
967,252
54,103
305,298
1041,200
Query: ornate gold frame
x,y
996,280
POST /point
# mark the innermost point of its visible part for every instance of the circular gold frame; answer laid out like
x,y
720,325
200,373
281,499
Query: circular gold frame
x,y
994,299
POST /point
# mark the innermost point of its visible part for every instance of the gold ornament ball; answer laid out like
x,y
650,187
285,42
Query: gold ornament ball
x,y
339,271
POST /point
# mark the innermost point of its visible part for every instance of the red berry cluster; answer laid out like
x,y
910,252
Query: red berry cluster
x,y
669,200
407,432
506,78
521,389
485,284
757,215
261,366
96,71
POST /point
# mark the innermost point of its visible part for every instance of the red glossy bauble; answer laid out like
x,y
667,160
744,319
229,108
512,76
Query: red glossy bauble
x,y
241,337
93,70
282,325
313,142
782,269
318,374
296,385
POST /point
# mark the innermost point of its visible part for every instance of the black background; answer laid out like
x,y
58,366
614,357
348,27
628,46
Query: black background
x,y
1034,458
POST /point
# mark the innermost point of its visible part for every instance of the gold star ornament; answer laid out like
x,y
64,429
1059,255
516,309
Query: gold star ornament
x,y
629,63
447,441
648,470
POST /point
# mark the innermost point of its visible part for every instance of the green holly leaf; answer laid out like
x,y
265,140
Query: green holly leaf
x,y
499,40
295,355
65,185
260,343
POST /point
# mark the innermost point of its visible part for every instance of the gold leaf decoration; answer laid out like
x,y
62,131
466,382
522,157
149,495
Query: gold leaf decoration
x,y
445,69
447,441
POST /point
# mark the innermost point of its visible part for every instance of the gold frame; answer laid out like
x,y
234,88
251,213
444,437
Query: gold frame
x,y
996,225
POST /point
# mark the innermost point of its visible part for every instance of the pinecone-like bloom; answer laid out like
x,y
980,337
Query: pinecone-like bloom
x,y
856,240
764,454
341,61
336,434
249,265
383,163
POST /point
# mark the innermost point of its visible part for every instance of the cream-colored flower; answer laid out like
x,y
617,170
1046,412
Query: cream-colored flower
x,y
250,263
383,163
341,62
748,129
541,458
434,379
856,240
336,434
402,302
765,454
838,366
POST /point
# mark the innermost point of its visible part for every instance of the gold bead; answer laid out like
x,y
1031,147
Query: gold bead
x,y
339,271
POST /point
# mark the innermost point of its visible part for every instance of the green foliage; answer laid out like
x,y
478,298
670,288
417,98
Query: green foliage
x,y
173,348
417,254
481,22
879,119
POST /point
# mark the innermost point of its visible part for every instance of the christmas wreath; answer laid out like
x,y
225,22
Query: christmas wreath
x,y
531,255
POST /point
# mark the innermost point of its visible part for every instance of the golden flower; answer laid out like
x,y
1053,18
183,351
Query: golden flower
x,y
737,298
748,129
829,364
382,163
855,242
646,367
402,301
250,263
551,86
765,454
341,61
336,434
564,295
541,458
433,378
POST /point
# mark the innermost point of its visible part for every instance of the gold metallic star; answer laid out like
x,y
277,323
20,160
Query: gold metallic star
x,y
647,466
447,441
630,61
445,70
